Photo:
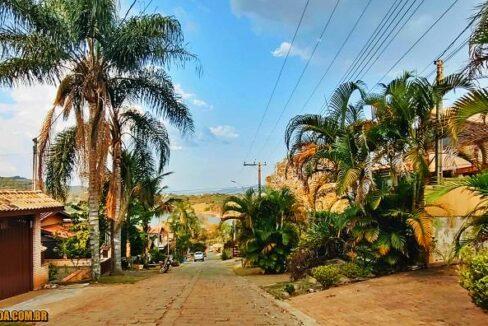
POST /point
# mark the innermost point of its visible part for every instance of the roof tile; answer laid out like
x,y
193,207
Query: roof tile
x,y
20,200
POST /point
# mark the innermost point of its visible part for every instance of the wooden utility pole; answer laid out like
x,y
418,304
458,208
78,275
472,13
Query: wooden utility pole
x,y
34,164
438,145
259,165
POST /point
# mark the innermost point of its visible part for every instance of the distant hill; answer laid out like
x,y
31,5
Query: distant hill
x,y
19,183
15,182
217,191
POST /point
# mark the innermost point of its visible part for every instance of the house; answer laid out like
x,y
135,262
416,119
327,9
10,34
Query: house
x,y
159,236
21,268
54,227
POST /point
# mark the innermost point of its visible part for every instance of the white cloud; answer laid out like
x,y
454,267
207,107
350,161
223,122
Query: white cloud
x,y
176,147
181,92
281,16
284,47
20,121
192,98
224,131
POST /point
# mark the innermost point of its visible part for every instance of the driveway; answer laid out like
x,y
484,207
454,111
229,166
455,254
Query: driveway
x,y
205,293
425,297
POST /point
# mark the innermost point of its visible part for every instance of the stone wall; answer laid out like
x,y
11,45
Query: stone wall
x,y
326,198
445,230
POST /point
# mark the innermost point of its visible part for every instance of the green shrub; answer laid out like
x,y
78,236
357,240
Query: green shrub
x,y
327,275
301,261
226,254
289,287
53,272
353,270
157,255
474,277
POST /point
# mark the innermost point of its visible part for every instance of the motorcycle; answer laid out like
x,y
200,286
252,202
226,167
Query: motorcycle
x,y
164,265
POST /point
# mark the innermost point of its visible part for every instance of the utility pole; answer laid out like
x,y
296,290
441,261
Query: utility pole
x,y
260,166
34,164
438,145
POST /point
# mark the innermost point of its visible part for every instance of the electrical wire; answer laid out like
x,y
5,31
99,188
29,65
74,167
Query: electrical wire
x,y
335,57
371,38
361,74
277,80
380,41
329,66
418,40
297,83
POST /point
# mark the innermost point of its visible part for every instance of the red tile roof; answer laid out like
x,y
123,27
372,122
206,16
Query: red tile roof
x,y
58,230
26,200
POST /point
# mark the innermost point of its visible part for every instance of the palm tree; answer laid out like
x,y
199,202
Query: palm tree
x,y
145,135
268,226
478,40
407,127
146,132
83,47
246,207
314,141
185,225
474,105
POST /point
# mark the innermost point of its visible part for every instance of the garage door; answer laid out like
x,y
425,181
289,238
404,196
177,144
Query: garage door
x,y
15,256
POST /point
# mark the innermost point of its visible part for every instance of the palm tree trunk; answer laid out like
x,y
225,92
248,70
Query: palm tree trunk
x,y
118,219
93,205
118,249
94,189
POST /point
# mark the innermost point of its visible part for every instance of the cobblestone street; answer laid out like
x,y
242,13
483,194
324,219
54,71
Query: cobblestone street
x,y
194,294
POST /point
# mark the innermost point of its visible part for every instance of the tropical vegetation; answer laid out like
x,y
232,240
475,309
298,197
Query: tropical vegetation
x,y
267,226
99,59
474,276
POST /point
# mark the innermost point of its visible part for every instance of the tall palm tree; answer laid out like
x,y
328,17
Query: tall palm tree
x,y
406,125
81,46
142,191
144,134
147,133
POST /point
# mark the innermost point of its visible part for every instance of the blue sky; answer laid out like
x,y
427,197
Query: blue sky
x,y
241,46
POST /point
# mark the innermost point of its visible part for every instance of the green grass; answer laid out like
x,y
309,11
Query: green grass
x,y
246,271
302,287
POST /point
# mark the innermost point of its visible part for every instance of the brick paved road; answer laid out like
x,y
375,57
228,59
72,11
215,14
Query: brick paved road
x,y
194,294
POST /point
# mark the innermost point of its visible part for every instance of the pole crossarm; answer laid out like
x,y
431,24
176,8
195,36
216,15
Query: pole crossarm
x,y
259,165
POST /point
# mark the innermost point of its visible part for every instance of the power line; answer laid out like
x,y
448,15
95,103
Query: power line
x,y
418,41
377,40
336,55
371,38
450,45
319,40
451,55
361,73
332,62
277,79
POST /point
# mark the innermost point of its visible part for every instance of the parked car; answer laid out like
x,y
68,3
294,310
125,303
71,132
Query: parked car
x,y
198,256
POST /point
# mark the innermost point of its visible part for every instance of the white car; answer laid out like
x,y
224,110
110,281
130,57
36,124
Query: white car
x,y
198,256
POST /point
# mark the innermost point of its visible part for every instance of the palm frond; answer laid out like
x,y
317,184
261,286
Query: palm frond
x,y
60,163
